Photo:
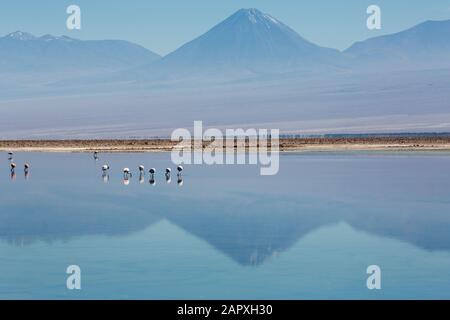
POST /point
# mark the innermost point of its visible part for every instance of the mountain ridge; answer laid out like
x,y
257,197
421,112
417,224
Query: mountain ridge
x,y
249,42
24,52
425,44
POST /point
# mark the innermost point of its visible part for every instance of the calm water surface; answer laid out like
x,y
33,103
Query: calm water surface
x,y
227,233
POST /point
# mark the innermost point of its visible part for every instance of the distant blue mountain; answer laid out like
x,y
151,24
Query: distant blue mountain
x,y
23,52
251,68
425,45
252,41
249,40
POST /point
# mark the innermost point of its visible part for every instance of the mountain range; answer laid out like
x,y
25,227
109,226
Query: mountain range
x,y
425,45
23,52
249,41
251,70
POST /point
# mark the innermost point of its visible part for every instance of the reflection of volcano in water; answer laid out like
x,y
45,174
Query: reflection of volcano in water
x,y
250,230
254,232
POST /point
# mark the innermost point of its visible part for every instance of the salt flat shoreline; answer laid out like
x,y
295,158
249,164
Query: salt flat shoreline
x,y
426,144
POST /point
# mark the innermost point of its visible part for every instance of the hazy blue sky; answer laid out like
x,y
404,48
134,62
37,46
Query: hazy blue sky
x,y
164,25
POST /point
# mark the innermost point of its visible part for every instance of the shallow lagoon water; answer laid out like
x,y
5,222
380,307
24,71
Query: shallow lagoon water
x,y
227,233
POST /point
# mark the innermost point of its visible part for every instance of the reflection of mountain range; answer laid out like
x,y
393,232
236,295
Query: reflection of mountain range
x,y
249,235
49,223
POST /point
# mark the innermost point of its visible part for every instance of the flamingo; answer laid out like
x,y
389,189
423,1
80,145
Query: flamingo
x,y
127,173
105,174
141,174
126,176
152,172
180,170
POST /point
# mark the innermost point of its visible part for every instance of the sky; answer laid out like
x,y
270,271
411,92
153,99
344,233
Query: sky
x,y
164,25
